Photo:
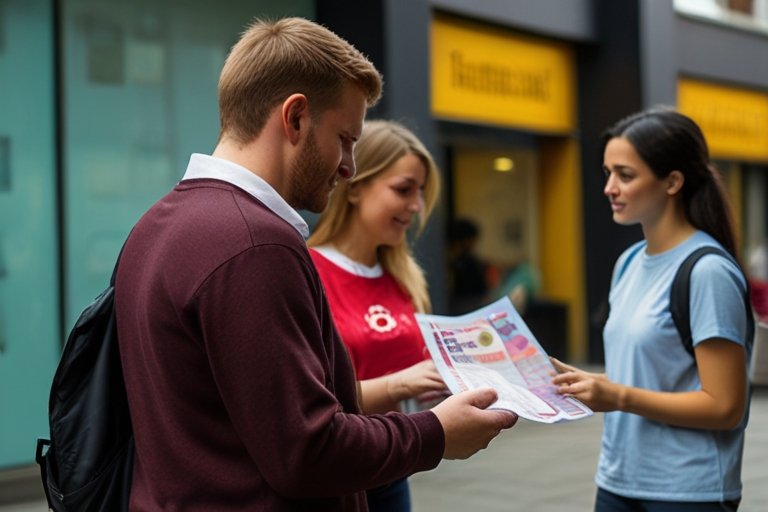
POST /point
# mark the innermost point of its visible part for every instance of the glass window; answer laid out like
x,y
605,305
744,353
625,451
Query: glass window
x,y
140,96
745,14
29,322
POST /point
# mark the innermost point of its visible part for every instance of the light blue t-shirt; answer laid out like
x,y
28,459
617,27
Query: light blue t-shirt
x,y
646,459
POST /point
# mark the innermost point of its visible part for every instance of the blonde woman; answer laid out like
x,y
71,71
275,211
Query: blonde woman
x,y
373,283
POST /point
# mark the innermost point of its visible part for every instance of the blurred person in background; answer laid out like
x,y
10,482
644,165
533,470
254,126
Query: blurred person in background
x,y
468,273
758,280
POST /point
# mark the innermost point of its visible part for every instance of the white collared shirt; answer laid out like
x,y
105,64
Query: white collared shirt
x,y
211,167
348,264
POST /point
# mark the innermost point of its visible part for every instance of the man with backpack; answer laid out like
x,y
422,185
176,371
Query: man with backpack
x,y
240,392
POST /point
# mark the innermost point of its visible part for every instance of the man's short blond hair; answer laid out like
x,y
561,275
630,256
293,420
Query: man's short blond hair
x,y
274,59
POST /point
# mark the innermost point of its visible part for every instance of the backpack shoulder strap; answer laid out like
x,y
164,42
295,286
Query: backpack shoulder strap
x,y
628,259
117,261
679,296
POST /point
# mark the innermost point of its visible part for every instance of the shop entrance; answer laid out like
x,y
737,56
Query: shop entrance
x,y
493,236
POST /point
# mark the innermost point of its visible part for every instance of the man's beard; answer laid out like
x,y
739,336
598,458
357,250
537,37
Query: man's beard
x,y
309,178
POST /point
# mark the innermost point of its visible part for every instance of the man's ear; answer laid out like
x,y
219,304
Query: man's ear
x,y
675,181
294,113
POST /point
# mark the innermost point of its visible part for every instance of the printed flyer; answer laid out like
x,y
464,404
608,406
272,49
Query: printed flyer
x,y
492,347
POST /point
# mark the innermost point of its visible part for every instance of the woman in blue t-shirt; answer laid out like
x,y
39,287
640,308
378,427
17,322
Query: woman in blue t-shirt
x,y
673,432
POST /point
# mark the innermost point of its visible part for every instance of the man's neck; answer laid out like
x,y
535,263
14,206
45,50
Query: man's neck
x,y
256,158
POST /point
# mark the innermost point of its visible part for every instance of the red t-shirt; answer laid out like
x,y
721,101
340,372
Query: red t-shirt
x,y
374,317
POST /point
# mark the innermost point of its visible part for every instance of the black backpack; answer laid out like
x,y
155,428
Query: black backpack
x,y
679,294
88,463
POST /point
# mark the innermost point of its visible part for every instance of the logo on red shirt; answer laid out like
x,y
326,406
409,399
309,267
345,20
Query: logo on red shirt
x,y
380,319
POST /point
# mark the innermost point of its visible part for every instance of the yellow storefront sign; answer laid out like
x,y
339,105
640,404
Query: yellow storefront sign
x,y
734,121
490,75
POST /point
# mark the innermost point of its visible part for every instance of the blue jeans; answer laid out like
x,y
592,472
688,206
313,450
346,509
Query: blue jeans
x,y
609,502
394,497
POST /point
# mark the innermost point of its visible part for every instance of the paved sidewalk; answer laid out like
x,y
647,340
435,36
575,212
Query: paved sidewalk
x,y
550,468
545,468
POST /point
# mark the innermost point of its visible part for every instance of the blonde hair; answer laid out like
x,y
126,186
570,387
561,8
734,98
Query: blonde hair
x,y
274,59
381,144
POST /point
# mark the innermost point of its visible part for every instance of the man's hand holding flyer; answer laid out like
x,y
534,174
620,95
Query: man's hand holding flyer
x,y
492,347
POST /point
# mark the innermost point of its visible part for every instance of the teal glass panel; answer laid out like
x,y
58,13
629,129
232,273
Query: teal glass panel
x,y
140,82
29,322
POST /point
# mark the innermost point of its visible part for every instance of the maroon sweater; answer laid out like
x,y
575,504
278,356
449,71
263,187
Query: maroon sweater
x,y
241,393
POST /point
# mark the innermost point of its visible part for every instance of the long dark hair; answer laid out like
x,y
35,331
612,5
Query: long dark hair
x,y
669,141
